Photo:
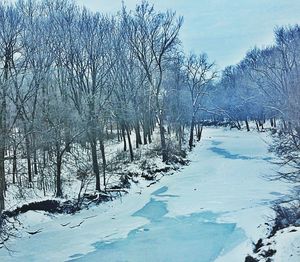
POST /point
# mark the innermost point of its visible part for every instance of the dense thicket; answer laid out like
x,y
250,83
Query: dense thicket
x,y
70,79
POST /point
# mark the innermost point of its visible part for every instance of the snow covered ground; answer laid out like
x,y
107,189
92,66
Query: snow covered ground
x,y
211,210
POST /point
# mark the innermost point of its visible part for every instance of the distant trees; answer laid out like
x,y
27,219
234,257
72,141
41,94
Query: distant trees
x,y
265,85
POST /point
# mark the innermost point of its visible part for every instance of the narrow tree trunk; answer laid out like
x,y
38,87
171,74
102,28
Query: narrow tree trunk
x,y
123,135
169,130
67,139
95,163
3,133
14,164
129,143
257,126
35,162
149,137
138,139
28,157
163,139
102,149
44,158
2,176
58,172
191,140
199,132
284,124
180,137
144,135
106,131
247,125
118,132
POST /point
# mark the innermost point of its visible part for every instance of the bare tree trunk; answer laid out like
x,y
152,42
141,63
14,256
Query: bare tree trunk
x,y
118,132
136,137
149,138
138,140
2,176
14,164
261,123
35,167
247,125
93,144
106,132
163,139
58,172
28,157
180,134
169,130
102,149
123,135
129,143
35,158
284,124
44,157
191,140
199,132
144,135
257,126
67,138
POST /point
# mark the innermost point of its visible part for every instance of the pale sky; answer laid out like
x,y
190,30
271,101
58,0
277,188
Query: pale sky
x,y
224,29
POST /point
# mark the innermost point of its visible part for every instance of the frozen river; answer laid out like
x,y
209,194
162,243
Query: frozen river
x,y
199,214
211,210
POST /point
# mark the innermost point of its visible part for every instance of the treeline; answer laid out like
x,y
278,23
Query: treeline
x,y
70,76
265,86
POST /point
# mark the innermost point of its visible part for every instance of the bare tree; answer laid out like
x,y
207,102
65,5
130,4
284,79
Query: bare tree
x,y
90,60
199,74
10,30
153,36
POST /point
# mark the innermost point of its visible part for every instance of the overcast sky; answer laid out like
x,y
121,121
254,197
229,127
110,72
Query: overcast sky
x,y
224,29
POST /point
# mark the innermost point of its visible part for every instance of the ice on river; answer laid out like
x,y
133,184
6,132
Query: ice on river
x,y
197,237
210,210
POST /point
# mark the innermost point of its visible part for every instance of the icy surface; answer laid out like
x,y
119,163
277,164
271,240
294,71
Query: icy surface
x,y
211,210
196,237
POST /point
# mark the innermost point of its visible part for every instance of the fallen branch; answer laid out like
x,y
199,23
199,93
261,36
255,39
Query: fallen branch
x,y
35,232
78,225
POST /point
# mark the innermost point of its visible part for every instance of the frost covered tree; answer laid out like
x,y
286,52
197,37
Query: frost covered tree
x,y
199,74
265,86
10,31
153,38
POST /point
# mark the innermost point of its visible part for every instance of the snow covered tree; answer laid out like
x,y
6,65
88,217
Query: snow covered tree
x,y
199,74
153,38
